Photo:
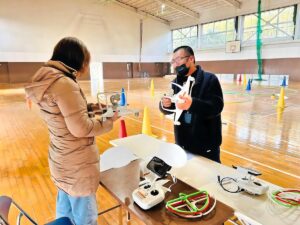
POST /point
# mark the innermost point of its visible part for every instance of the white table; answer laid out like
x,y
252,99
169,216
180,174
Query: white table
x,y
202,173
141,145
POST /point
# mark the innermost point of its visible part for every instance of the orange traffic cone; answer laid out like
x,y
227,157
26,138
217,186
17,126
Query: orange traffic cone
x,y
122,132
240,78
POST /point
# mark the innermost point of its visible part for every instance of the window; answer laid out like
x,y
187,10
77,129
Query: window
x,y
216,34
185,36
275,24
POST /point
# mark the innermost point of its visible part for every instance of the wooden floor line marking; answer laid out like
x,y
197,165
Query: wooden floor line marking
x,y
261,164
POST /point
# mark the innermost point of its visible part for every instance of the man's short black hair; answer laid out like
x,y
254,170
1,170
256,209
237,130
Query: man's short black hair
x,y
186,48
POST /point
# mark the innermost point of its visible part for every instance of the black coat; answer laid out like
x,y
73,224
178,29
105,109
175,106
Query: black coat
x,y
203,135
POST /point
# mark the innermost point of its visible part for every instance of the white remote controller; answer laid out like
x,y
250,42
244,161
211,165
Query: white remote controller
x,y
148,196
252,186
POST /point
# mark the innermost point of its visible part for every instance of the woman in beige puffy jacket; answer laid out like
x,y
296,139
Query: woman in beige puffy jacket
x,y
73,154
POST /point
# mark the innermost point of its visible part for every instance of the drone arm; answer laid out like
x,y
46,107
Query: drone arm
x,y
177,85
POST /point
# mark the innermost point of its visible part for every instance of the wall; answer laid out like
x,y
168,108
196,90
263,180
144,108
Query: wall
x,y
4,78
269,51
270,66
279,57
121,70
247,7
30,29
22,72
17,72
115,70
151,69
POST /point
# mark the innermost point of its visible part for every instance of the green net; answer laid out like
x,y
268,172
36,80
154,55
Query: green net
x,y
258,41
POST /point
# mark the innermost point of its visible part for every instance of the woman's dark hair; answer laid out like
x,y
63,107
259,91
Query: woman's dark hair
x,y
72,52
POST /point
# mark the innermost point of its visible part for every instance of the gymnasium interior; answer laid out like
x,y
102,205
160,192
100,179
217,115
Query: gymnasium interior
x,y
252,46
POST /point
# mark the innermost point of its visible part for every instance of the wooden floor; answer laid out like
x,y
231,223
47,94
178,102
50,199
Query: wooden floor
x,y
255,135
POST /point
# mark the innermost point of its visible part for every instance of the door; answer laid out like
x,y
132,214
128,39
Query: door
x,y
129,68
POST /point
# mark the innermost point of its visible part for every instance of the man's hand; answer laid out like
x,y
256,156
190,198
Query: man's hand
x,y
166,102
185,103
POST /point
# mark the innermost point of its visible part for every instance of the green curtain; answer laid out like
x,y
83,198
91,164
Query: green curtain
x,y
258,42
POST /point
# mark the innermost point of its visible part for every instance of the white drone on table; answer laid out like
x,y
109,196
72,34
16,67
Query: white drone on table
x,y
185,89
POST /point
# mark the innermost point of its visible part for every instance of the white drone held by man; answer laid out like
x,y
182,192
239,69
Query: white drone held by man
x,y
185,89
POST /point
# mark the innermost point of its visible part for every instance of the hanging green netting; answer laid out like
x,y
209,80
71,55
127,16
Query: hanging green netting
x,y
258,42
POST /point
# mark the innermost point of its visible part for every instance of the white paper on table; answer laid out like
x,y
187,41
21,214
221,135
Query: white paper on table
x,y
115,157
172,154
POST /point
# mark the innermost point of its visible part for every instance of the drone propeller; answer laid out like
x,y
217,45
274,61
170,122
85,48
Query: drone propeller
x,y
192,205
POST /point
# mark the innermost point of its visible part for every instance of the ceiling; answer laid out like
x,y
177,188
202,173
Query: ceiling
x,y
167,11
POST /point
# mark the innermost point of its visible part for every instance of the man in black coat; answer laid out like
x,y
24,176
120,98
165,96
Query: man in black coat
x,y
200,129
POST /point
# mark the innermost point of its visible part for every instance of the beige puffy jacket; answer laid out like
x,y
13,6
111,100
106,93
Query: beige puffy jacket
x,y
73,154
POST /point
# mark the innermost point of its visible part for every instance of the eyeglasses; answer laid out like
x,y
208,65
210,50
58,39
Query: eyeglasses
x,y
178,59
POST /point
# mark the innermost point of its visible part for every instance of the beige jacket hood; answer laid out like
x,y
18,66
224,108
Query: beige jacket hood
x,y
45,77
73,154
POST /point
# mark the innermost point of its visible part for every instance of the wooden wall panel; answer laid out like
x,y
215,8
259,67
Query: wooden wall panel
x,y
4,75
113,70
230,66
270,66
283,66
21,72
157,69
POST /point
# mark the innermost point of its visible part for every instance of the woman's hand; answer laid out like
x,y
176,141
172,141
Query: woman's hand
x,y
98,110
114,117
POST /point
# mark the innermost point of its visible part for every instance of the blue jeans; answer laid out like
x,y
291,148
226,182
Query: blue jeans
x,y
81,210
